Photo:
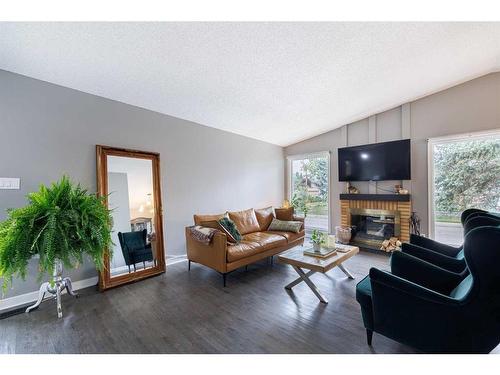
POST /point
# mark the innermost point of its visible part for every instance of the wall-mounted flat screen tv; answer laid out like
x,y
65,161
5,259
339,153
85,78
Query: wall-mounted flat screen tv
x,y
375,162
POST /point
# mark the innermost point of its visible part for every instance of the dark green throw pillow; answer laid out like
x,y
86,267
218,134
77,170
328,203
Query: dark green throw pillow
x,y
230,226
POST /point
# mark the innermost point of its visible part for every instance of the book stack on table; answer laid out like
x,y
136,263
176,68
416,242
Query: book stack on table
x,y
324,252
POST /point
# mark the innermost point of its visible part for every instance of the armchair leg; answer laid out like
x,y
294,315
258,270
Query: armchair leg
x,y
189,265
369,336
224,279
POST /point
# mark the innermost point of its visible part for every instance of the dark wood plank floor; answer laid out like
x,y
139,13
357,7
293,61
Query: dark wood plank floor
x,y
190,312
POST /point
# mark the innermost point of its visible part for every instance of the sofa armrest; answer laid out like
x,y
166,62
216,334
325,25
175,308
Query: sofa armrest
x,y
299,218
213,255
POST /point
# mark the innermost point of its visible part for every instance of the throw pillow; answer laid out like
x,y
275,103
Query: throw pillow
x,y
230,227
285,214
216,225
285,226
264,216
245,221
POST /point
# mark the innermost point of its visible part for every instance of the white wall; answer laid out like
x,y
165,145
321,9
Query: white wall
x,y
469,107
47,130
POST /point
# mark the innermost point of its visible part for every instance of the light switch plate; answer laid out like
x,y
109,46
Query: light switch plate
x,y
10,183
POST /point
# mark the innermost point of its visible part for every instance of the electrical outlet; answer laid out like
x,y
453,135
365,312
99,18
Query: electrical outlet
x,y
10,183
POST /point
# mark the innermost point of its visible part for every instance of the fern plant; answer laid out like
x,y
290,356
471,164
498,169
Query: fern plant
x,y
61,222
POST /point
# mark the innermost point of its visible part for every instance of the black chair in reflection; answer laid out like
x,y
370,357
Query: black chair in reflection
x,y
135,249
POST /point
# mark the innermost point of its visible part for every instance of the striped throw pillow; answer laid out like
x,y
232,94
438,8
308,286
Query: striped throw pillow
x,y
285,226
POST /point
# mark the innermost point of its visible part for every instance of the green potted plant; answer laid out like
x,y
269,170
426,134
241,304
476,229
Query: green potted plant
x,y
60,224
299,202
317,239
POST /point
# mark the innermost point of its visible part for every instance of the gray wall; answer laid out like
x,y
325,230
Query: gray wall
x,y
47,130
469,107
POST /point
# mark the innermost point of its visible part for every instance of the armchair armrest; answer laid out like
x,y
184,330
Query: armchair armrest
x,y
401,286
434,245
415,315
431,256
424,273
213,255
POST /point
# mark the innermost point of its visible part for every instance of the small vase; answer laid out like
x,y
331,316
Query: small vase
x,y
316,247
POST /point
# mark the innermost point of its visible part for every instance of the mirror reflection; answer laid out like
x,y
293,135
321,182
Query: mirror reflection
x,y
131,199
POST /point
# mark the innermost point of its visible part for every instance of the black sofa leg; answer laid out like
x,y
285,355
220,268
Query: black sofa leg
x,y
189,265
369,335
224,279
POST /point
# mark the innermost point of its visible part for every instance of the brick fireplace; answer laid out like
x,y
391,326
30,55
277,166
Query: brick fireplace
x,y
376,217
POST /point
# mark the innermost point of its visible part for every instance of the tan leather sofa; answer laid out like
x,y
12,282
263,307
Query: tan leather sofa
x,y
257,242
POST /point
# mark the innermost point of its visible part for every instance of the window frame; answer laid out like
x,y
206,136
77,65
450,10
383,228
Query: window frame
x,y
431,142
320,154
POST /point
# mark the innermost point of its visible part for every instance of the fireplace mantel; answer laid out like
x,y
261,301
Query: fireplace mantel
x,y
376,197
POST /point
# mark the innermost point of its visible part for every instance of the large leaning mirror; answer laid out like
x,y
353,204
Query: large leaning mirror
x,y
130,181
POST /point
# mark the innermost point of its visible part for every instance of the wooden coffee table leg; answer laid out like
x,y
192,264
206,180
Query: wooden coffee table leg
x,y
305,278
343,269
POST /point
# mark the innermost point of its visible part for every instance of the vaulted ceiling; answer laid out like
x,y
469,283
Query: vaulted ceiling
x,y
277,82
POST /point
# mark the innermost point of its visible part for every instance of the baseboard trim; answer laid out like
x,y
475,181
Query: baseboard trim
x,y
24,299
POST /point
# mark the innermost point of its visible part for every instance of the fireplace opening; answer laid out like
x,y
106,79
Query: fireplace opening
x,y
371,227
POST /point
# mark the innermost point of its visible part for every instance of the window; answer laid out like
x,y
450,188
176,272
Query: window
x,y
309,189
464,172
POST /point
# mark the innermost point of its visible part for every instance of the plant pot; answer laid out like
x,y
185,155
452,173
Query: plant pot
x,y
316,247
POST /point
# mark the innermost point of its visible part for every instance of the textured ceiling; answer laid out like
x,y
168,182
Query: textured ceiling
x,y
277,82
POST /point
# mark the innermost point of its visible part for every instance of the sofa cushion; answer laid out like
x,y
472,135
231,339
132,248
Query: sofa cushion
x,y
266,240
285,226
245,221
290,236
264,216
198,219
285,214
242,250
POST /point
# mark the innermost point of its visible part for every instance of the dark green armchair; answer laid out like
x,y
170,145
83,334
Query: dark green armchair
x,y
135,248
466,213
448,257
432,309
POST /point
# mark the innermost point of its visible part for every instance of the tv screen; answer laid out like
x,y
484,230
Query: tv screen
x,y
375,162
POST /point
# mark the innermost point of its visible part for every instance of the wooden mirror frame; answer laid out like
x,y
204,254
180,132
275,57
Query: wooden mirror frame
x,y
102,152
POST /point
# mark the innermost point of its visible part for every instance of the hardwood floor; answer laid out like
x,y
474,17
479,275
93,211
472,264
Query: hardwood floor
x,y
190,312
